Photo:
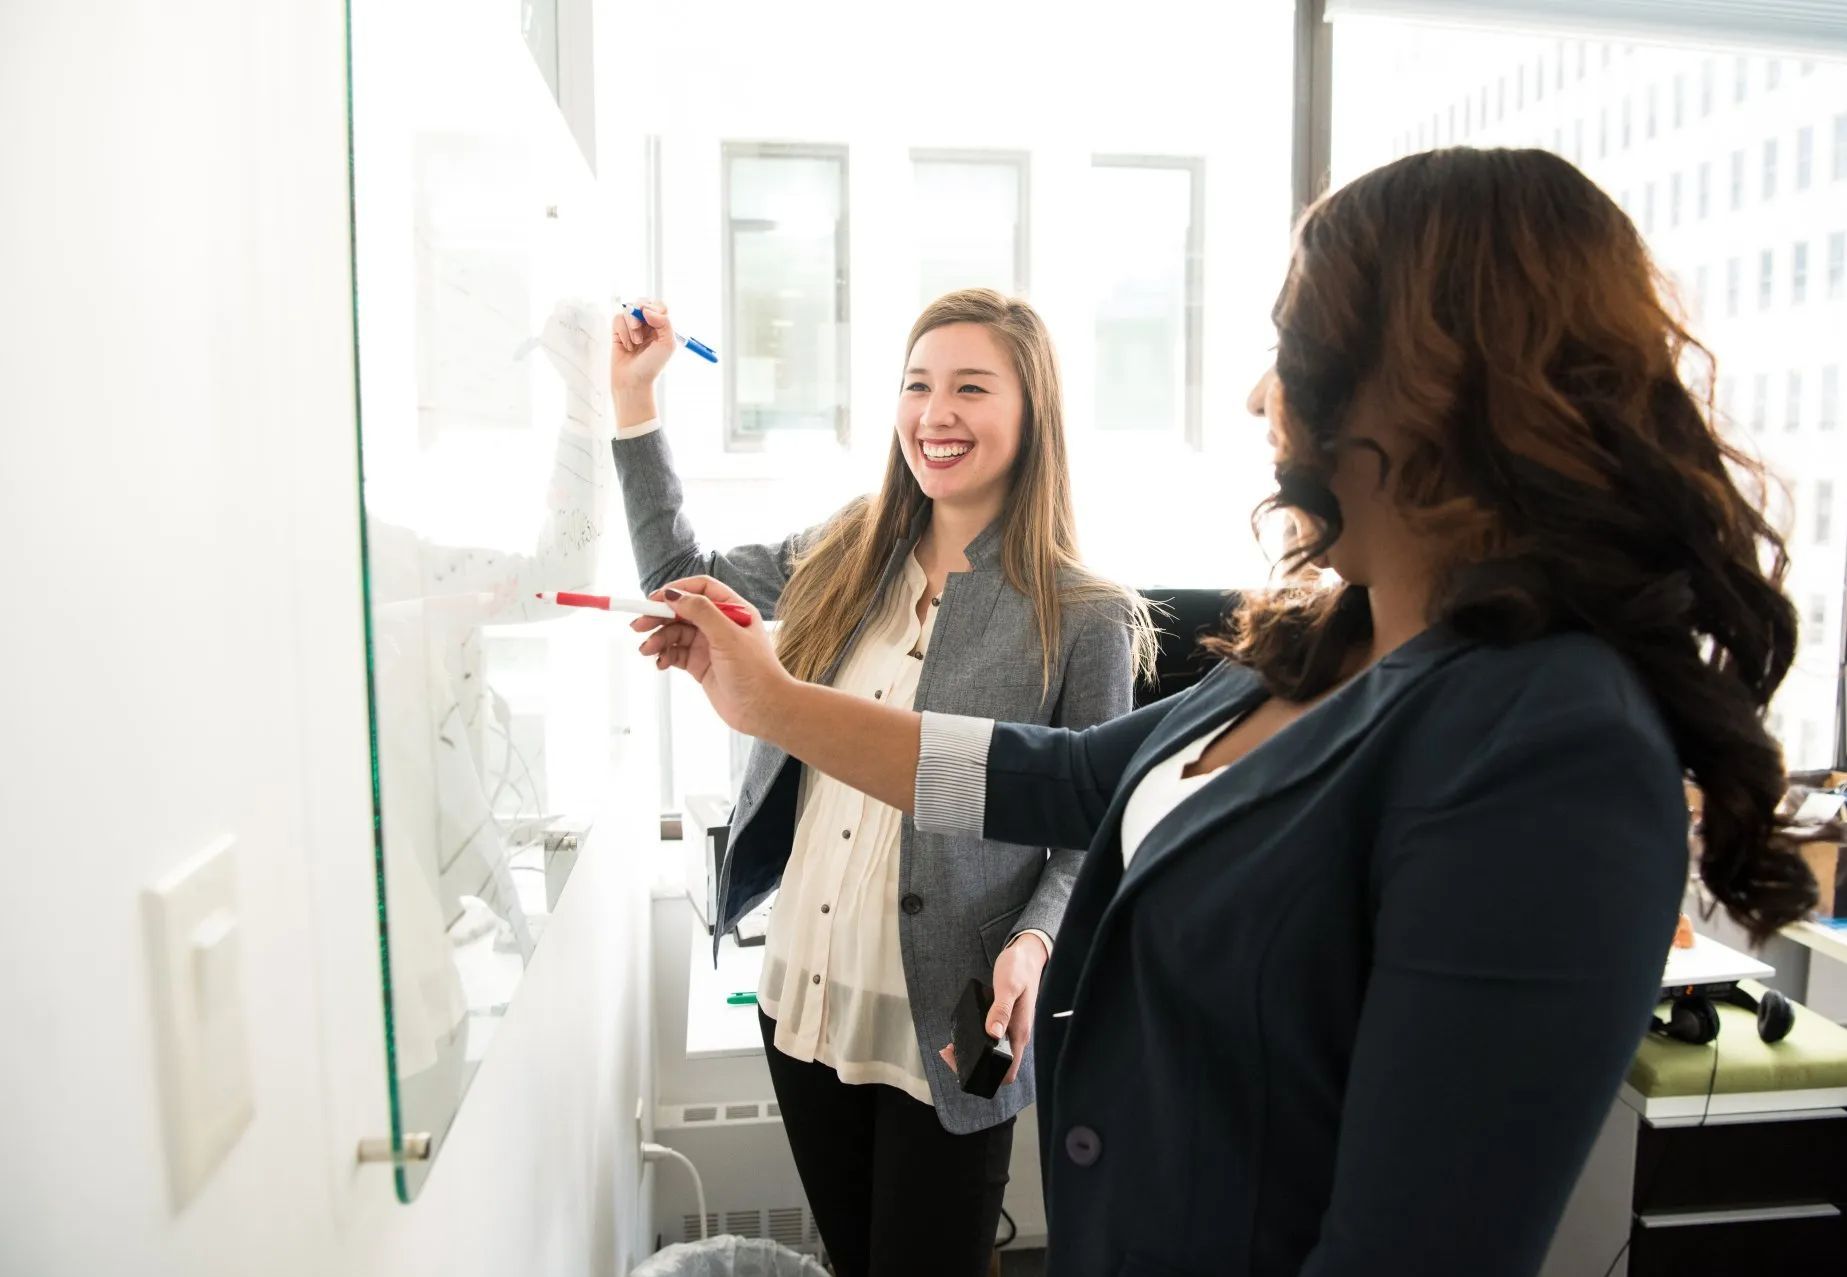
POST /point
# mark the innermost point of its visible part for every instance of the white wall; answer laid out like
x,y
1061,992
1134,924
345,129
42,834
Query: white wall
x,y
177,392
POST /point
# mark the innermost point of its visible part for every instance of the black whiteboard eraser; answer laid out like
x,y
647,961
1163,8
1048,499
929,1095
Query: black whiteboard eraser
x,y
981,1060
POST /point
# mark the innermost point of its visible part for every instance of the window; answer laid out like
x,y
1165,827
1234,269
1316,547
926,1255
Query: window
x,y
1468,116
1147,286
786,294
1583,46
1539,79
1824,511
1577,141
971,219
1500,100
1812,633
1773,73
1692,206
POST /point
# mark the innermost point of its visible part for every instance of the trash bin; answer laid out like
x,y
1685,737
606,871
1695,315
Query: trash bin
x,y
729,1257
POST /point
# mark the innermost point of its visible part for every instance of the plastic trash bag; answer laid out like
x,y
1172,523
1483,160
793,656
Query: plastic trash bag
x,y
729,1257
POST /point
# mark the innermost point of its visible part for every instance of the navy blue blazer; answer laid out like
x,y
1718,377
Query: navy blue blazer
x,y
1361,1004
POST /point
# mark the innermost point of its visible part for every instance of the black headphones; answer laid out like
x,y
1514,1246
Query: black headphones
x,y
1693,1019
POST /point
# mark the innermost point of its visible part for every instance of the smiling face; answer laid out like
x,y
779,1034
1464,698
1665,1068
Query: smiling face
x,y
960,416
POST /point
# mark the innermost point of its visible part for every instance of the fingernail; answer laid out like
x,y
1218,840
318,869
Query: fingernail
x,y
672,596
996,1029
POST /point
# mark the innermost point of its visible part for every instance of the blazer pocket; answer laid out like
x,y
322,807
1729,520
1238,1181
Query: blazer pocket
x,y
997,931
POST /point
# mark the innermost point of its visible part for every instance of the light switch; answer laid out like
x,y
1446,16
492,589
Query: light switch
x,y
194,957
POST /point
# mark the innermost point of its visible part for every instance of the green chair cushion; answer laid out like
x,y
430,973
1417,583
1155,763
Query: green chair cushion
x,y
1812,1057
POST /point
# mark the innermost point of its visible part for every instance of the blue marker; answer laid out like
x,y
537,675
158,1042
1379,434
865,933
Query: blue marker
x,y
693,344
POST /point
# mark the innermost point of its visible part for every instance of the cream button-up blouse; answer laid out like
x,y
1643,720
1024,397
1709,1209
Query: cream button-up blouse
x,y
833,972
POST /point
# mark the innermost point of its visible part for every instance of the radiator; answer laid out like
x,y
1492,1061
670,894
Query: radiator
x,y
751,1188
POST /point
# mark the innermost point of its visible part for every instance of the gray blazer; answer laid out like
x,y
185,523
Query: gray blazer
x,y
963,898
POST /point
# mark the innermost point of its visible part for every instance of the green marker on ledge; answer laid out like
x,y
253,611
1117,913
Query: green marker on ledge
x,y
741,1000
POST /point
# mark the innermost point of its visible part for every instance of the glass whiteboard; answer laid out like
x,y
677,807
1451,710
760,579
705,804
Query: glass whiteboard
x,y
485,477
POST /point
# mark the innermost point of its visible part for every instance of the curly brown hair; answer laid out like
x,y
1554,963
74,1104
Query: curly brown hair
x,y
1504,312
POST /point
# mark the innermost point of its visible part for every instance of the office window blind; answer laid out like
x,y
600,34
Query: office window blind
x,y
1814,26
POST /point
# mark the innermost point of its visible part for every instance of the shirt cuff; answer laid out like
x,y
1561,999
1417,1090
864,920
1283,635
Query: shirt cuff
x,y
952,773
1034,931
636,431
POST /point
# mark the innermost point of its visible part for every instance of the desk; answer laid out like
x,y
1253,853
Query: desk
x,y
1830,942
1755,1182
714,1028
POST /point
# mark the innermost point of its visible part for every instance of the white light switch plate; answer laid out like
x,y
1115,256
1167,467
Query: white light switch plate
x,y
195,961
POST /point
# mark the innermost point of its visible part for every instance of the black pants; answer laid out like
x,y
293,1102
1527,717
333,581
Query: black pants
x,y
893,1193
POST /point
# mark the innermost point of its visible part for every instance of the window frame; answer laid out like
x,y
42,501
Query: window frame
x,y
1193,423
736,440
1021,161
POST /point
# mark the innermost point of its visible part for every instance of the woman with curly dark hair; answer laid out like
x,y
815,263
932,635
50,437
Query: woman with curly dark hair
x,y
1373,917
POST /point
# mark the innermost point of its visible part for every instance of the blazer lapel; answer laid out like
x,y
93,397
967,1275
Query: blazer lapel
x,y
1226,692
1291,758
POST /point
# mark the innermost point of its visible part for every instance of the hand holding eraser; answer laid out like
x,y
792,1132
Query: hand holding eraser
x,y
982,1061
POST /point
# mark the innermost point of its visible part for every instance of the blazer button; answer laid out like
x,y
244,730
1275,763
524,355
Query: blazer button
x,y
1083,1145
912,904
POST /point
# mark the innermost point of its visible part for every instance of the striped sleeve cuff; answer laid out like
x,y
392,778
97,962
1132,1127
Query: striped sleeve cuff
x,y
639,429
952,773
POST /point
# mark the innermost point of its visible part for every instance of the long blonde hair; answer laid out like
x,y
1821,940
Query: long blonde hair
x,y
837,577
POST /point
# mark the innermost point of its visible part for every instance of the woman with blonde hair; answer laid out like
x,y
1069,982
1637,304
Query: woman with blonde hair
x,y
957,589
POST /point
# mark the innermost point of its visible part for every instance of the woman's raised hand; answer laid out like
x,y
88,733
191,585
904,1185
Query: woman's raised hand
x,y
734,664
639,348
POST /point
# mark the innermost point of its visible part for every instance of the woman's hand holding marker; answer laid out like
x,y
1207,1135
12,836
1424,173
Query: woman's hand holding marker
x,y
734,663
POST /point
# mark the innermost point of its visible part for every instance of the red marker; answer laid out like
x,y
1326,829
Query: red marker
x,y
637,607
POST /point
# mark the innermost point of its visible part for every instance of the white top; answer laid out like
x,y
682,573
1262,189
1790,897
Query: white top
x,y
833,972
1163,789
